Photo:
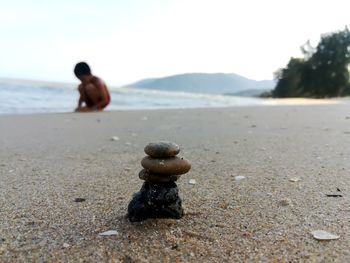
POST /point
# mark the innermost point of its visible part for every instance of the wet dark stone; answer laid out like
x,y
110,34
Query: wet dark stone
x,y
157,178
155,200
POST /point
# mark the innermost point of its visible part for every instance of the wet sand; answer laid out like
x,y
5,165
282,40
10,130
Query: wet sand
x,y
49,160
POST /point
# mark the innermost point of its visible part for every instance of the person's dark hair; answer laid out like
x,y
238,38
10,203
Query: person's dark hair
x,y
82,68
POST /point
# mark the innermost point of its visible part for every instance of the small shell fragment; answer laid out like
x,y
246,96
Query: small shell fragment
x,y
324,235
115,138
109,233
294,179
192,181
239,178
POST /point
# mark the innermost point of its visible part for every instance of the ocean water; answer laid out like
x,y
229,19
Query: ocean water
x,y
31,97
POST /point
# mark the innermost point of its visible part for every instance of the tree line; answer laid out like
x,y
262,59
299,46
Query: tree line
x,y
322,72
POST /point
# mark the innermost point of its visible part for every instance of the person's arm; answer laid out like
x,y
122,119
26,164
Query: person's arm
x,y
104,95
81,98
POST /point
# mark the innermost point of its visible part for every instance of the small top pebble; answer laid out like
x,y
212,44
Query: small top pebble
x,y
162,149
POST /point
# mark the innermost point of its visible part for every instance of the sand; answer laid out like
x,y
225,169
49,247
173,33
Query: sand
x,y
49,160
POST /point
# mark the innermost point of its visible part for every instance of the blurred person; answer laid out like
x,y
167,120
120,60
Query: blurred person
x,y
93,91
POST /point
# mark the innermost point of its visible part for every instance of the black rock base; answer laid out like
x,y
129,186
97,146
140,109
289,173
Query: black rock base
x,y
155,200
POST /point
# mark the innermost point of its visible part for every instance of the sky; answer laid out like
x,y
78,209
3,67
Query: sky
x,y
127,40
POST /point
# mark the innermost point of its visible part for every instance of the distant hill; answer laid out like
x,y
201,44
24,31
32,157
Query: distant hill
x,y
217,83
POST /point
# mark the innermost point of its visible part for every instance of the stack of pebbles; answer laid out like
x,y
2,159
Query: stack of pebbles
x,y
158,197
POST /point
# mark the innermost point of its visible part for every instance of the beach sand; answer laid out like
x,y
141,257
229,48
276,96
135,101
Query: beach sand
x,y
49,160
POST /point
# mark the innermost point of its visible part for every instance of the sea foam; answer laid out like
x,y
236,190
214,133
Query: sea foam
x,y
31,97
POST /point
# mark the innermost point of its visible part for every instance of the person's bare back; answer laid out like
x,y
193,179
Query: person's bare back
x,y
93,91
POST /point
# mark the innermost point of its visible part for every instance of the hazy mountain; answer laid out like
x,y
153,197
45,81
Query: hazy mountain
x,y
217,83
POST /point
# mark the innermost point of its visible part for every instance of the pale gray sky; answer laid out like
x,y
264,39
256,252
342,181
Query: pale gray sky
x,y
127,40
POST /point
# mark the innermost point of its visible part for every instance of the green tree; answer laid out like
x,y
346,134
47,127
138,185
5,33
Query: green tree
x,y
288,79
322,73
327,72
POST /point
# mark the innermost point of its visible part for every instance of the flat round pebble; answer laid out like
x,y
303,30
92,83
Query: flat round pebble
x,y
168,166
324,235
157,178
162,149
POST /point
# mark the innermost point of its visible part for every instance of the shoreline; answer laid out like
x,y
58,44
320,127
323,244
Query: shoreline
x,y
268,102
49,160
